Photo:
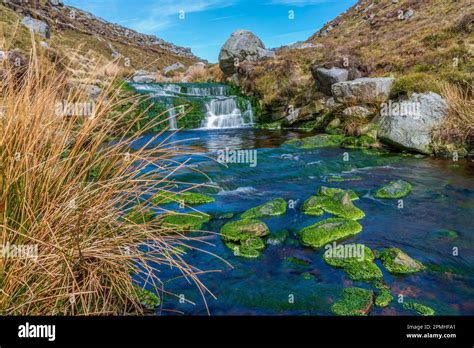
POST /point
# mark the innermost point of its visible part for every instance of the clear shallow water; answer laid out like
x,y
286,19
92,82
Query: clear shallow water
x,y
442,199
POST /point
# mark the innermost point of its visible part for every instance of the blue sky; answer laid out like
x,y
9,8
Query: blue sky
x,y
208,23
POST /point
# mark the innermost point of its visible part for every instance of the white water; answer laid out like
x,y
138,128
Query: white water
x,y
222,110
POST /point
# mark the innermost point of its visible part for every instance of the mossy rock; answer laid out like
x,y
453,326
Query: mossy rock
x,y
312,206
188,198
277,238
339,204
397,262
383,298
140,216
331,191
395,189
148,299
339,178
354,302
186,222
317,141
307,276
243,250
273,208
449,234
419,308
327,231
240,230
357,267
360,142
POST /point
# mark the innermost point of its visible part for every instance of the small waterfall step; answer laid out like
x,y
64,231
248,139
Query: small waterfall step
x,y
222,109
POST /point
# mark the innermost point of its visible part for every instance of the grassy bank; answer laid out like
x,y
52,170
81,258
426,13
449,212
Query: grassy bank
x,y
66,197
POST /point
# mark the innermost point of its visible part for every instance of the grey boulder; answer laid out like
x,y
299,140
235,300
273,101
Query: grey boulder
x,y
410,127
37,26
325,78
363,91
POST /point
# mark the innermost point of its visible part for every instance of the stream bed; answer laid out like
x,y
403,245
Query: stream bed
x,y
442,200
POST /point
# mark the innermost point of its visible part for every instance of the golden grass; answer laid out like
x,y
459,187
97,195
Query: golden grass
x,y
65,190
458,127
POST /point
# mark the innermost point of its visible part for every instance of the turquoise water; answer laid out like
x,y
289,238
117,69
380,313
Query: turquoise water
x,y
442,199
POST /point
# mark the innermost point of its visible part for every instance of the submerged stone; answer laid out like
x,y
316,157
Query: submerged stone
x,y
236,231
148,299
277,238
354,302
186,222
140,216
189,198
298,261
339,178
383,298
273,208
307,276
242,250
356,260
331,191
327,231
397,262
419,308
317,141
395,189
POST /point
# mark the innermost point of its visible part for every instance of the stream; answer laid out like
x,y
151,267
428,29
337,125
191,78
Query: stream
x,y
274,284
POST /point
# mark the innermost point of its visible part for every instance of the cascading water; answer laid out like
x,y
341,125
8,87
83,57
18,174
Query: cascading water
x,y
221,109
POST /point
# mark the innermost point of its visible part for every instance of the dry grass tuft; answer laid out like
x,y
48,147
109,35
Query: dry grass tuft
x,y
458,127
65,191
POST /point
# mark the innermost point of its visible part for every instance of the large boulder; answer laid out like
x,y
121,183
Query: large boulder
x,y
37,26
408,124
325,78
363,91
242,46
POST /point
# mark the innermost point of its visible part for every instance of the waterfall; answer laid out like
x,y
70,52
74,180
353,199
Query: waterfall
x,y
225,113
223,110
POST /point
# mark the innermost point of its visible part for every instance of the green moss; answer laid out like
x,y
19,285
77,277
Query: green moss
x,y
270,126
277,238
411,83
338,178
383,298
358,265
273,208
237,231
186,222
331,191
419,308
307,276
339,204
360,142
327,231
140,216
397,262
193,114
312,206
188,198
317,141
148,299
250,248
354,302
395,189
446,234
297,261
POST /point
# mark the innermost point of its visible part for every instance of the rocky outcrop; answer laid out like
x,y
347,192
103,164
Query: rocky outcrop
x,y
143,76
37,26
363,91
173,67
242,46
356,111
408,124
325,78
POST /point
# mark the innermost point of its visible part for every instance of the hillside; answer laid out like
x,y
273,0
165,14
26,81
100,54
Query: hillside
x,y
70,30
418,40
